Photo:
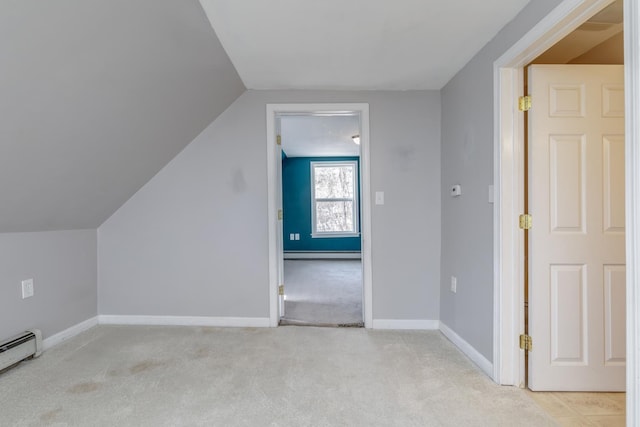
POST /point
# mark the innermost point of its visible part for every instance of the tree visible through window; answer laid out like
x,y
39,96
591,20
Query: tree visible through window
x,y
335,211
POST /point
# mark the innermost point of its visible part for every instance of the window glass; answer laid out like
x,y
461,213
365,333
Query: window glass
x,y
334,198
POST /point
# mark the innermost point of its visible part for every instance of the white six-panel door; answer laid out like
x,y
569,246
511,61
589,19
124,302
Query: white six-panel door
x,y
576,244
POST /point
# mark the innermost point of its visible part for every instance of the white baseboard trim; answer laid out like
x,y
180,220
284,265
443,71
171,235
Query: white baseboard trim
x,y
258,322
322,255
468,350
405,324
71,332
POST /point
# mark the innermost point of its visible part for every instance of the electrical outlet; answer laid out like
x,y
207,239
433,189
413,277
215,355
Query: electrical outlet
x,y
27,288
454,284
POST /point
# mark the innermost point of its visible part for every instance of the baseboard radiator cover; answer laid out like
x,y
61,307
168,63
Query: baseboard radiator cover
x,y
14,350
322,255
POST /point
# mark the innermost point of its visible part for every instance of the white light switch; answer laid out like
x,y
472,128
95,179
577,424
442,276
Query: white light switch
x,y
292,236
297,236
454,284
491,196
27,288
379,197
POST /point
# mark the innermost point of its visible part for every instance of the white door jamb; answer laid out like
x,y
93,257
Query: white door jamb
x,y
632,199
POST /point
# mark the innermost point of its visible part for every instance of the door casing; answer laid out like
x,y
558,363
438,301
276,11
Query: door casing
x,y
274,187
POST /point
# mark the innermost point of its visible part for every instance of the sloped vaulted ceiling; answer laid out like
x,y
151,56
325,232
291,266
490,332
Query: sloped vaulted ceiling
x,y
355,44
95,98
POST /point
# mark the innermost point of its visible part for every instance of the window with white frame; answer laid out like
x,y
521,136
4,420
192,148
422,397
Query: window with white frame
x,y
334,196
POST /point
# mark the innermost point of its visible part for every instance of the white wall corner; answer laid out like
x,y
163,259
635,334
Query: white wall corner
x,y
423,324
241,322
68,333
485,365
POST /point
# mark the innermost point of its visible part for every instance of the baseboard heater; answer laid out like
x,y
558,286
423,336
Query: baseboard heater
x,y
26,345
322,255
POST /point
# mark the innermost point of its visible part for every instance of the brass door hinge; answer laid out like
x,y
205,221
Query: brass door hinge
x,y
524,221
526,343
524,103
281,290
278,140
280,215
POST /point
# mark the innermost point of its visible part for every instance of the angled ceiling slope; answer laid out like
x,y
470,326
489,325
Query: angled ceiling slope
x,y
605,26
97,96
355,44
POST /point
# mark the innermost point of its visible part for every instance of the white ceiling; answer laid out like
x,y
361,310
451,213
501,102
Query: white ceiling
x,y
319,136
355,44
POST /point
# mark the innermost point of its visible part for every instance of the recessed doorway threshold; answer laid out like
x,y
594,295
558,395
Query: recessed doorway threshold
x,y
293,322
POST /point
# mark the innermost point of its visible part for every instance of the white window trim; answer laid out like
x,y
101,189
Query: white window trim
x,y
356,224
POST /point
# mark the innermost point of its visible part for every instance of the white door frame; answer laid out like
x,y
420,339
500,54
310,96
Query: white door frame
x,y
508,360
365,199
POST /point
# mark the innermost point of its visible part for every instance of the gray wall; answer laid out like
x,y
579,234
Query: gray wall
x,y
64,268
96,97
467,159
193,241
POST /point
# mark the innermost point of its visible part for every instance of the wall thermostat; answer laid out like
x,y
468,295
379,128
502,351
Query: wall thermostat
x,y
456,190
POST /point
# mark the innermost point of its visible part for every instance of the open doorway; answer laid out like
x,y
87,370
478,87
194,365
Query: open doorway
x,y
276,214
508,178
321,222
509,360
509,366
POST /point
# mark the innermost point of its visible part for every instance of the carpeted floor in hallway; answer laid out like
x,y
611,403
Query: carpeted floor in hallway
x,y
323,292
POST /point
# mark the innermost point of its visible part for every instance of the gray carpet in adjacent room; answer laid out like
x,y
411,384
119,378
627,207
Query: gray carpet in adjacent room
x,y
287,376
323,292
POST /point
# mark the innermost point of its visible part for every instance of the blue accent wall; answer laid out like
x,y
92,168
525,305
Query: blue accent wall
x,y
296,204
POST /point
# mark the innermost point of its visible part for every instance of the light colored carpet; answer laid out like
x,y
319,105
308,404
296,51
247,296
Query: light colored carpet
x,y
287,376
323,292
